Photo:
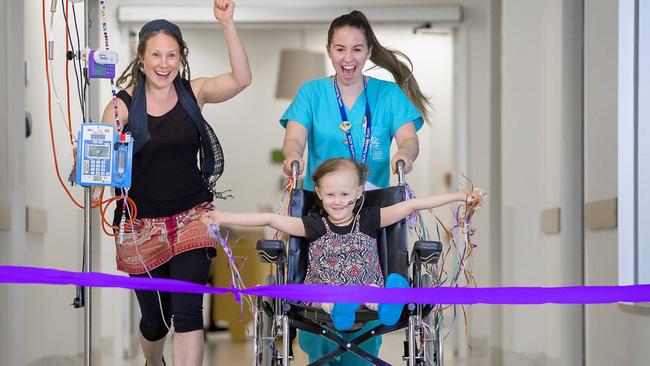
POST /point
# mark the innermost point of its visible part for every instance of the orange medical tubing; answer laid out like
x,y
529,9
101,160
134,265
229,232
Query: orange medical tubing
x,y
53,145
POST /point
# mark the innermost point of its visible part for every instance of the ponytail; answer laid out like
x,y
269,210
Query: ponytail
x,y
387,59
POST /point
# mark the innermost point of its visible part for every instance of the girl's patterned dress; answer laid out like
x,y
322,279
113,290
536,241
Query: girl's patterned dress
x,y
344,259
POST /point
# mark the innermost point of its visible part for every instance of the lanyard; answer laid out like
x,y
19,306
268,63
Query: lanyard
x,y
346,126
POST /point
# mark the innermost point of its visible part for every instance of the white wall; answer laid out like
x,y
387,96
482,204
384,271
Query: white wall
x,y
432,57
539,147
614,333
12,197
539,119
530,128
477,119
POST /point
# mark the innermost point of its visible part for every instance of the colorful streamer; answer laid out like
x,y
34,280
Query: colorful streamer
x,y
236,282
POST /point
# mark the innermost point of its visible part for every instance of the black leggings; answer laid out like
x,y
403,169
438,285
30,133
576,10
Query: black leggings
x,y
186,309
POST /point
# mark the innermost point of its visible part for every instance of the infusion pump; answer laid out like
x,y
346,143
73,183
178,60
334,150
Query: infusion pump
x,y
103,157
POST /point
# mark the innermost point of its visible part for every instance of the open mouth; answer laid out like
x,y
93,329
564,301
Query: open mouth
x,y
163,75
348,71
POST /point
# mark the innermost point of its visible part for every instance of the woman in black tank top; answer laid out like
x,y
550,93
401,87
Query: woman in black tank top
x,y
160,106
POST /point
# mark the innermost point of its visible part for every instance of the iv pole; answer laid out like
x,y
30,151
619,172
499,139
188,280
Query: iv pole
x,y
87,211
87,204
86,292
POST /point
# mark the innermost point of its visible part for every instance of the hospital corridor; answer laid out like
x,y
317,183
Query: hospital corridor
x,y
324,182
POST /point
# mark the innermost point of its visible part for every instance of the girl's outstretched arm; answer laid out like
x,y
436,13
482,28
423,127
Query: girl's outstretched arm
x,y
392,214
287,224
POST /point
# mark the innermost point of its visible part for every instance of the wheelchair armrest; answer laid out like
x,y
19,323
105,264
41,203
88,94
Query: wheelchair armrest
x,y
428,251
270,251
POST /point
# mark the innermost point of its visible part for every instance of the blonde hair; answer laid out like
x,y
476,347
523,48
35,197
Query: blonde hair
x,y
335,164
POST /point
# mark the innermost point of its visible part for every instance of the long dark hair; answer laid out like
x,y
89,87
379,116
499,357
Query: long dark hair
x,y
385,58
132,72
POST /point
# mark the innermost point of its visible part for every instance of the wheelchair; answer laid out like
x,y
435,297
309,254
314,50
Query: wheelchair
x,y
276,320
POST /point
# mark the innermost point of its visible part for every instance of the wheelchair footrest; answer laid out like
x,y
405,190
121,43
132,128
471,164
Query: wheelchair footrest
x,y
428,251
271,251
319,315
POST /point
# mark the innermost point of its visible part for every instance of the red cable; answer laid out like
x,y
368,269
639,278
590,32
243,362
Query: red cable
x,y
49,110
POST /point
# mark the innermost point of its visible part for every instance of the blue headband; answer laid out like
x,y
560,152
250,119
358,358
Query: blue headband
x,y
160,24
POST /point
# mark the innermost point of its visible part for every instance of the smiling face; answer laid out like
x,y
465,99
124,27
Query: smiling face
x,y
338,190
348,50
161,60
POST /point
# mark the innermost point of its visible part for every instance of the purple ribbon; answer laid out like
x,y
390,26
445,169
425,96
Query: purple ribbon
x,y
358,294
44,276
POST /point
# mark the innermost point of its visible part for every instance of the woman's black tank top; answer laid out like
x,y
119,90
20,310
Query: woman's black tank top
x,y
166,178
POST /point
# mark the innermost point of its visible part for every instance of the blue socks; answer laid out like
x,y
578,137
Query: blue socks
x,y
389,314
343,315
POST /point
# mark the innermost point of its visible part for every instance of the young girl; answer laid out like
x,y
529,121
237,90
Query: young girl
x,y
343,235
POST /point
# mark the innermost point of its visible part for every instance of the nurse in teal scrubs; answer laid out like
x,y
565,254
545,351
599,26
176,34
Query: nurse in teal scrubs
x,y
396,110
352,115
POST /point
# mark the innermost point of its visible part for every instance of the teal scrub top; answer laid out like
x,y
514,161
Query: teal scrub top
x,y
316,108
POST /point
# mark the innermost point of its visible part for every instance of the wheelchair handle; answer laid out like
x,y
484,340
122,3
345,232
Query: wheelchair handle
x,y
400,172
295,167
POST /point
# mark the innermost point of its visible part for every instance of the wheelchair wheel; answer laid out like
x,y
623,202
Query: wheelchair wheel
x,y
432,340
264,349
